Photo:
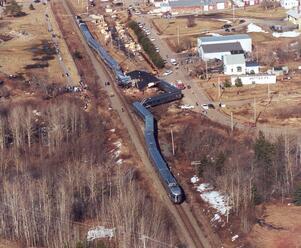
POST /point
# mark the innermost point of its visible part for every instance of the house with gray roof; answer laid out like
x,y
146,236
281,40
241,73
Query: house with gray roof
x,y
244,40
218,51
193,6
234,64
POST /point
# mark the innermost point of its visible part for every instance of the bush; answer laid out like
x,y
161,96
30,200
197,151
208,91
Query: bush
x,y
14,9
31,7
227,84
77,55
147,45
238,82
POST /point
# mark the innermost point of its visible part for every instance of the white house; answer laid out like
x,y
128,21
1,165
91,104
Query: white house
x,y
252,67
244,40
234,64
289,4
218,51
255,79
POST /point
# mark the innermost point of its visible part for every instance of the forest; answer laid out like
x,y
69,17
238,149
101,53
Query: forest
x,y
58,181
249,170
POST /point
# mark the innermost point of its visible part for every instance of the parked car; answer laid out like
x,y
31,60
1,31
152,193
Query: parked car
x,y
167,72
227,25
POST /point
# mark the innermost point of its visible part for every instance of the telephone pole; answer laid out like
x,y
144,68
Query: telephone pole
x,y
232,126
219,89
254,110
172,142
178,35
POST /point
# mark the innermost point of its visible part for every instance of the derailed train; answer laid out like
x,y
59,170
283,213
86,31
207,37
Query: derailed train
x,y
171,93
122,79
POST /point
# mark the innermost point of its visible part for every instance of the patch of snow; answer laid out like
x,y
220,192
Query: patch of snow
x,y
234,237
119,161
187,106
100,232
214,34
203,187
194,179
216,200
289,34
216,217
224,20
112,130
117,144
252,28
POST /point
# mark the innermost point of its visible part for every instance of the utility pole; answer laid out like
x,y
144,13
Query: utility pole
x,y
233,12
232,126
206,70
254,110
172,142
178,35
219,89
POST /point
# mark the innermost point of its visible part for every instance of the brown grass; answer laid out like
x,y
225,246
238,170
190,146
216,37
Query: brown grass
x,y
170,27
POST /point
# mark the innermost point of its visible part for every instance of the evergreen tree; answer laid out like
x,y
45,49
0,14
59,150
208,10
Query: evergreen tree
x,y
297,196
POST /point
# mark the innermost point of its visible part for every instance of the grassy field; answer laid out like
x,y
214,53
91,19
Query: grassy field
x,y
173,26
29,35
257,12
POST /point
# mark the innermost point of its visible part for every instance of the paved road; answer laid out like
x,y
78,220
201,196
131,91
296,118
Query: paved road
x,y
196,95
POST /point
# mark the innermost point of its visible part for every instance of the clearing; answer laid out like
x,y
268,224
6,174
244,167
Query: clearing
x,y
282,228
29,41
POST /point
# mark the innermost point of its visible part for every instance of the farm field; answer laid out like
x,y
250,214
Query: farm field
x,y
30,43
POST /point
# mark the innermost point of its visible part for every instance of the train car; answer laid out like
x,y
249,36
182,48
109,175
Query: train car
x,y
169,182
121,78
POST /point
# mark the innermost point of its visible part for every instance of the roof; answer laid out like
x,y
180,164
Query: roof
x,y
234,59
192,3
251,64
294,13
224,38
222,47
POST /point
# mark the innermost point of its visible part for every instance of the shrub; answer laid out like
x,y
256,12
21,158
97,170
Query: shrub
x,y
31,7
14,9
238,82
227,83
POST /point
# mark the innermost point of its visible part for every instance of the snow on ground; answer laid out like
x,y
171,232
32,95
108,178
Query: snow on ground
x,y
215,200
224,20
100,232
117,152
234,237
252,28
213,34
113,130
216,217
187,106
204,186
289,34
194,179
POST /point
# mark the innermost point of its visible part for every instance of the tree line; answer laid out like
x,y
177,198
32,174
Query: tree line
x,y
147,45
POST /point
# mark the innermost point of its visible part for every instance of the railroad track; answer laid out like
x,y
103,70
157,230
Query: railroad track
x,y
182,214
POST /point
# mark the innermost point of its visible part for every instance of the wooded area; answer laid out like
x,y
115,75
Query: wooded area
x,y
57,177
249,171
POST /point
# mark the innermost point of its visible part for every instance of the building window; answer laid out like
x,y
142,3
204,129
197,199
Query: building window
x,y
239,69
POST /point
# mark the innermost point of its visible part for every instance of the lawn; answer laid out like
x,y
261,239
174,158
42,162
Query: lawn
x,y
171,26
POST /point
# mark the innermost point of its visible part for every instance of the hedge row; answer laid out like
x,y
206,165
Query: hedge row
x,y
147,45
